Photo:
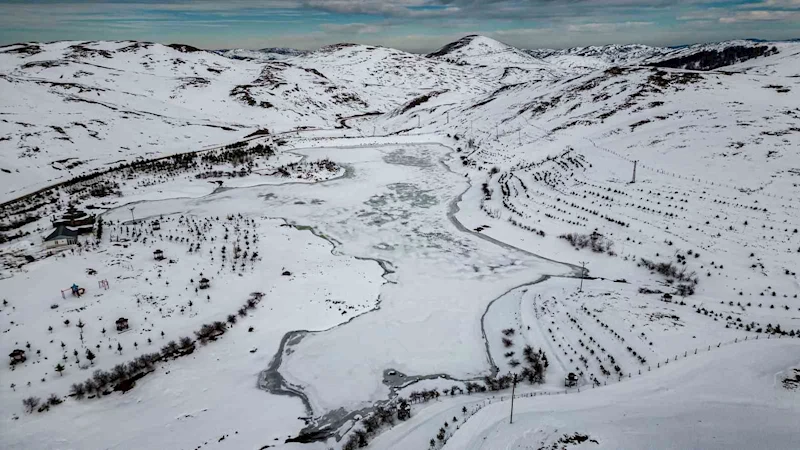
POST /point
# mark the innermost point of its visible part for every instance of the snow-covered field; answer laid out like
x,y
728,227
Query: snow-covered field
x,y
376,226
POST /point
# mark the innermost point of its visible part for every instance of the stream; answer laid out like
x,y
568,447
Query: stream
x,y
321,429
272,381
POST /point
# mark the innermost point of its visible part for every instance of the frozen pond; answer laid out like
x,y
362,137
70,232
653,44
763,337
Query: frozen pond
x,y
397,204
395,207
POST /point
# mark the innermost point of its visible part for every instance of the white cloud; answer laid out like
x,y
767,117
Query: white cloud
x,y
788,4
761,16
605,27
350,28
521,32
709,14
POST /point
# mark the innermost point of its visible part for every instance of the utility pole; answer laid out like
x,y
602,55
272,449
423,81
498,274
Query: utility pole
x,y
519,135
448,116
583,274
634,171
133,219
513,388
417,120
373,130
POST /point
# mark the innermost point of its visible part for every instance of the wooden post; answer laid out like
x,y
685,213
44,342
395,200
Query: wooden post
x,y
583,274
634,171
513,388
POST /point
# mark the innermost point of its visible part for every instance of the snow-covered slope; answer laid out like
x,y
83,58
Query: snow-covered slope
x,y
696,56
599,57
261,55
513,64
73,107
684,405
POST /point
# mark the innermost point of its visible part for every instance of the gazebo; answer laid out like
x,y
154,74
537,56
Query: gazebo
x,y
571,380
122,324
17,356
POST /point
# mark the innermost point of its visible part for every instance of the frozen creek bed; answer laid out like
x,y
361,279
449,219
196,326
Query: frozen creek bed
x,y
389,281
398,205
395,204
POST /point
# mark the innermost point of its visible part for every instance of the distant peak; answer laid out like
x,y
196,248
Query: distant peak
x,y
465,42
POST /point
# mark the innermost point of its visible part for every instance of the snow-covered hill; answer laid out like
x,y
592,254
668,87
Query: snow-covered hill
x,y
600,56
502,60
73,107
261,55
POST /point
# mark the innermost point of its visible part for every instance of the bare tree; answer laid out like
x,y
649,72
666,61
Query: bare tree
x,y
31,403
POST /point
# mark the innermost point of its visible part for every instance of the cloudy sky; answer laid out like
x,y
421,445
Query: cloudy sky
x,y
413,25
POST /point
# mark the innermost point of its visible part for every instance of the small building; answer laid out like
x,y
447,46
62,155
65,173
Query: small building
x,y
61,236
158,255
571,380
156,225
204,283
17,356
122,324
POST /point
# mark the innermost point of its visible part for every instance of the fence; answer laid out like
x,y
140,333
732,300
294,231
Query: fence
x,y
686,354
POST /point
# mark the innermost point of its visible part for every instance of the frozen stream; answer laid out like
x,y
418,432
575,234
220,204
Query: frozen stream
x,y
449,238
398,206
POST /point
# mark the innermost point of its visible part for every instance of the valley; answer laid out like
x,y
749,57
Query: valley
x,y
359,245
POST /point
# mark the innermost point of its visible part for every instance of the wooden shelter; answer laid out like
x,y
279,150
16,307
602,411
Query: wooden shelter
x,y
158,255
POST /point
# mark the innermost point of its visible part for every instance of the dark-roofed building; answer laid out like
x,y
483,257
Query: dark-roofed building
x,y
76,219
62,235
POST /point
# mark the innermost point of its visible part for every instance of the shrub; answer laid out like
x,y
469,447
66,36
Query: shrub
x,y
185,342
77,390
101,379
90,386
120,372
595,241
672,273
31,403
